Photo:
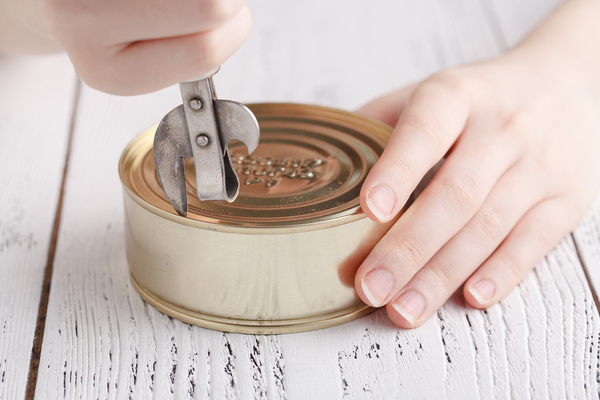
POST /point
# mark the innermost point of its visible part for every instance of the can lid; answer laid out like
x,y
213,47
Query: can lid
x,y
308,168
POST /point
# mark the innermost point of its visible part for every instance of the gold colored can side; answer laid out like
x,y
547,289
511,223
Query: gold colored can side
x,y
238,271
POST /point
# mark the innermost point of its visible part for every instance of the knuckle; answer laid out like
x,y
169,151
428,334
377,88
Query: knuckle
x,y
411,249
518,124
427,127
490,222
217,12
104,74
540,235
451,81
101,83
402,169
443,278
453,84
514,267
208,56
462,192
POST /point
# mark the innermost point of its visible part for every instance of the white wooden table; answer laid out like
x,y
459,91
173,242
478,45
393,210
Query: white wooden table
x,y
66,301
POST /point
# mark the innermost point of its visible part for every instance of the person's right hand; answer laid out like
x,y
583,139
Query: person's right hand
x,y
139,46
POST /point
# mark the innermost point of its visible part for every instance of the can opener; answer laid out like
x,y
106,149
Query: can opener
x,y
201,128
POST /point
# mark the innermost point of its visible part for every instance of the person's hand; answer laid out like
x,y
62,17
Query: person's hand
x,y
521,136
137,46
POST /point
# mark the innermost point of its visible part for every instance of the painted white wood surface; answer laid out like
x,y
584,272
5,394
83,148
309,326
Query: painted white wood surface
x,y
587,237
513,19
36,101
102,341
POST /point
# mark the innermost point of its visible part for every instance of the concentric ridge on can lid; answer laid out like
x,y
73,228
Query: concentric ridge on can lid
x,y
308,168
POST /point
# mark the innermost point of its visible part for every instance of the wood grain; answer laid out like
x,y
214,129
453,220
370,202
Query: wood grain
x,y
102,341
36,103
587,239
344,53
513,19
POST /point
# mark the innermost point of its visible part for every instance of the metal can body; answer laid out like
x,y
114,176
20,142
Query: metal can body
x,y
235,268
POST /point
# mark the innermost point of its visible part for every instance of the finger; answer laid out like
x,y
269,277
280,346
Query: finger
x,y
151,65
116,21
452,198
388,108
434,117
450,267
533,237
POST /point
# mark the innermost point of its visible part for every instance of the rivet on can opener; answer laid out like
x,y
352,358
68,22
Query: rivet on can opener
x,y
200,128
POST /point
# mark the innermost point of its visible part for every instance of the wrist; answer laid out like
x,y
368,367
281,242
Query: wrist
x,y
566,46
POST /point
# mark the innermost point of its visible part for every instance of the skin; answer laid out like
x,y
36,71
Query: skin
x,y
128,47
520,134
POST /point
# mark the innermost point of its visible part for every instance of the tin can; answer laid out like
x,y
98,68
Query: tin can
x,y
283,256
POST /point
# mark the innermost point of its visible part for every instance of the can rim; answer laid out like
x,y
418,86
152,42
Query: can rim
x,y
245,326
317,223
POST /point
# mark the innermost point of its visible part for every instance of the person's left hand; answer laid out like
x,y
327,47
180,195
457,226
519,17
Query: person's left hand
x,y
522,142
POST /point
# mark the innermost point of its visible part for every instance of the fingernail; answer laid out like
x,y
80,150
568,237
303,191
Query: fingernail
x,y
377,286
483,290
410,305
380,201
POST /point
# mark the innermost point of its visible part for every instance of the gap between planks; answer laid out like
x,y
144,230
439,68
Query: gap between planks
x,y
38,338
585,272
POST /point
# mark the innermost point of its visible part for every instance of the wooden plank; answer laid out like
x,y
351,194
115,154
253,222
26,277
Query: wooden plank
x,y
102,341
344,53
85,310
36,102
587,239
513,19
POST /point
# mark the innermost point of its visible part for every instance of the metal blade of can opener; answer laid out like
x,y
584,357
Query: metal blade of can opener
x,y
200,128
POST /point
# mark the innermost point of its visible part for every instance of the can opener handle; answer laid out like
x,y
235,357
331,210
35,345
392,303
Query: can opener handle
x,y
201,128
